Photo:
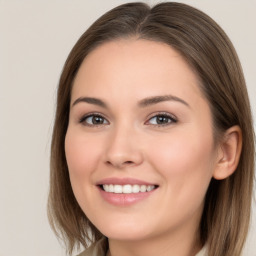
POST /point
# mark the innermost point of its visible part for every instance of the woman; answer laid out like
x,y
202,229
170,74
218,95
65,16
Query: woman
x,y
153,145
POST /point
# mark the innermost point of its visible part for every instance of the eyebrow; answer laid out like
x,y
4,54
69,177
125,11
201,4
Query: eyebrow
x,y
142,103
157,99
90,100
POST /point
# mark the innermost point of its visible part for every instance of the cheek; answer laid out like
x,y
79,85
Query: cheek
x,y
185,160
81,155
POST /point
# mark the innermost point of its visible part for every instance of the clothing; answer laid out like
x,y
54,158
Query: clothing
x,y
96,249
100,249
203,252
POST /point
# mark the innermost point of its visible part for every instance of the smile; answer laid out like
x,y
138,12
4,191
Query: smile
x,y
125,191
127,188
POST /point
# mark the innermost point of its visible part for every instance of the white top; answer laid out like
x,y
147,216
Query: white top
x,y
203,252
100,248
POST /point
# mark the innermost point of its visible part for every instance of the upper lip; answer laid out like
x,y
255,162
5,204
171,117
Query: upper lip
x,y
123,181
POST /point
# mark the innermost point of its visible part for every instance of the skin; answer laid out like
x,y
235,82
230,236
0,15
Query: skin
x,y
179,156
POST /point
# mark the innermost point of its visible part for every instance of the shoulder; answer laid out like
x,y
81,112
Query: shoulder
x,y
98,248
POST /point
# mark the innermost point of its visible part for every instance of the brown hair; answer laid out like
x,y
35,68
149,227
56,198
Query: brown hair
x,y
204,45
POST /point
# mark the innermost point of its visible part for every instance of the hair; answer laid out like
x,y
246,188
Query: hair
x,y
211,55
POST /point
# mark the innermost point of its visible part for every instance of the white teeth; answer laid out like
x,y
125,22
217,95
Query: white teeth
x,y
110,188
143,188
135,189
127,189
118,189
149,188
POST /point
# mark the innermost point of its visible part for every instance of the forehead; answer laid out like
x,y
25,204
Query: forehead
x,y
127,65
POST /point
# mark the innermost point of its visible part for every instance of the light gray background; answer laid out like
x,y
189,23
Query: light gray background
x,y
35,38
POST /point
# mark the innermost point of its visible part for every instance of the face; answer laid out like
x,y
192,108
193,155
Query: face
x,y
139,144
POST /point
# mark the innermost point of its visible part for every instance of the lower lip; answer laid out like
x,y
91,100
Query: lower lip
x,y
125,199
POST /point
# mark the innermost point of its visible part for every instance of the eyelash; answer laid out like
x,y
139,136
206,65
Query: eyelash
x,y
171,119
92,115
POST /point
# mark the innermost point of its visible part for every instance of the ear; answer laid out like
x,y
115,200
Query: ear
x,y
229,153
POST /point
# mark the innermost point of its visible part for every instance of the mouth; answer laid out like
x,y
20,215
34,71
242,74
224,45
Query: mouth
x,y
125,191
127,188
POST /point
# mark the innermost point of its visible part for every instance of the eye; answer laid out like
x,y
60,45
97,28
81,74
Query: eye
x,y
161,120
93,120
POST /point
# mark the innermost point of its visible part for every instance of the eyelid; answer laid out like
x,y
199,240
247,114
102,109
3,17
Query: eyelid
x,y
173,118
97,114
161,113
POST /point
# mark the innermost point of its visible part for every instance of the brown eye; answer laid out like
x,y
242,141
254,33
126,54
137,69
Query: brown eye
x,y
94,120
162,119
97,120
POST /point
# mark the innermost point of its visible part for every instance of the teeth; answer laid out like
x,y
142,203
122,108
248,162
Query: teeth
x,y
127,189
143,188
135,189
149,188
118,189
111,188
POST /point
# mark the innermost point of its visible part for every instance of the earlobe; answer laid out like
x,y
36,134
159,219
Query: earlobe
x,y
229,153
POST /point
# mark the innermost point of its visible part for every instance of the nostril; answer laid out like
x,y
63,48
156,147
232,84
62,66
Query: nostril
x,y
128,162
121,164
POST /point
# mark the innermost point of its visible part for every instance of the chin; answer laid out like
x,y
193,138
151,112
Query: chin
x,y
128,235
125,232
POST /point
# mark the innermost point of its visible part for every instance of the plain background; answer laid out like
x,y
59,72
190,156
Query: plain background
x,y
35,39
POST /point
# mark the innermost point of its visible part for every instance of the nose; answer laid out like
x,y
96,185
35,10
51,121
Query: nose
x,y
123,149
